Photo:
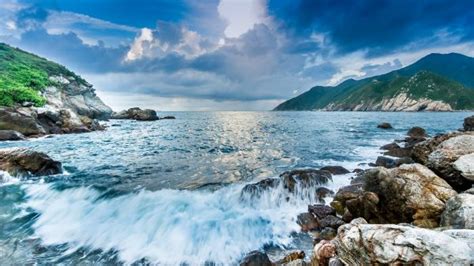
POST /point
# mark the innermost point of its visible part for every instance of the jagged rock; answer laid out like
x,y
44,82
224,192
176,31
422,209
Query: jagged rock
x,y
442,160
390,146
330,221
323,252
136,114
21,120
320,210
422,150
322,193
256,189
24,162
335,170
298,262
292,257
328,233
469,123
359,243
459,212
11,135
465,165
391,163
305,178
417,132
256,258
384,125
307,222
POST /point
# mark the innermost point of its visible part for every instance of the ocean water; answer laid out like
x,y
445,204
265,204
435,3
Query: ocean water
x,y
170,192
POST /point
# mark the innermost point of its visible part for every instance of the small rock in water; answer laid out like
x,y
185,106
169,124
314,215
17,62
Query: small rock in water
x,y
469,123
417,132
256,258
307,222
390,146
322,192
335,170
11,135
305,178
385,125
24,162
293,256
321,210
136,114
168,117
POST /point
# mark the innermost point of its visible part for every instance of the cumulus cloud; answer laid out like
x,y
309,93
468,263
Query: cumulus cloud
x,y
241,15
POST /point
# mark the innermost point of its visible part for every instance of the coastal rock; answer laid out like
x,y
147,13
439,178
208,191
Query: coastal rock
x,y
359,243
469,123
328,233
168,117
256,258
384,125
459,212
320,210
256,189
465,165
335,170
291,258
391,163
22,120
442,160
390,146
322,193
136,114
422,150
23,162
304,178
307,222
417,132
11,135
330,221
323,252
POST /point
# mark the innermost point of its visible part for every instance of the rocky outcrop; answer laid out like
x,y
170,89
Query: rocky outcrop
x,y
11,135
302,178
136,114
359,243
256,258
335,170
24,163
469,123
384,125
465,165
459,212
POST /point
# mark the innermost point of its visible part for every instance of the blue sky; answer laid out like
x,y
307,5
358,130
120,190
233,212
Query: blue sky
x,y
231,54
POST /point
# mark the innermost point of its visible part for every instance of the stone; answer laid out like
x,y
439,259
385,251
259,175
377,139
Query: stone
x,y
304,178
323,252
417,132
359,243
322,193
256,258
391,163
293,256
21,121
336,170
421,151
328,233
459,212
11,135
469,123
23,162
384,125
331,221
307,222
442,160
298,262
168,117
136,114
256,189
390,146
465,165
320,210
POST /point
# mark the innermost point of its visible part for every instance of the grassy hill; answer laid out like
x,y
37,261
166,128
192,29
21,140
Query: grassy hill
x,y
448,78
23,76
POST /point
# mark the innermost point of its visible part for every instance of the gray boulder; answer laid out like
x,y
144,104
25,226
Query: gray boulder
x,y
11,135
256,258
459,212
136,114
24,163
469,123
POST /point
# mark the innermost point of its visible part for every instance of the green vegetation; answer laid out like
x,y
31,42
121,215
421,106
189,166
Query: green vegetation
x,y
448,78
23,76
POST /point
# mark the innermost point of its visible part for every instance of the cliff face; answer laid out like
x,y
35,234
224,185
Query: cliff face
x,y
40,97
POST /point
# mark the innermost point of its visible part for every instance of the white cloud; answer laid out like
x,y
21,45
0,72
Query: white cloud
x,y
137,48
241,15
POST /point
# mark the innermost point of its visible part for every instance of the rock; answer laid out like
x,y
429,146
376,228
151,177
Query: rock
x,y
323,252
23,121
293,256
417,132
298,262
391,163
331,221
442,160
399,152
336,170
422,150
322,193
459,212
469,123
23,162
11,135
359,243
390,146
304,178
328,233
168,117
335,261
136,114
320,210
344,194
384,125
307,222
409,193
465,165
256,258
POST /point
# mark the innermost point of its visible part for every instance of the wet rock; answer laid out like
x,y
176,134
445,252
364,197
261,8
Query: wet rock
x,y
23,121
344,194
304,178
409,193
465,165
391,163
469,123
417,132
384,125
335,170
307,222
331,221
168,117
256,189
359,243
322,193
328,233
320,210
11,135
23,162
357,170
399,152
292,257
390,146
459,212
298,262
256,258
136,114
335,261
323,252
442,160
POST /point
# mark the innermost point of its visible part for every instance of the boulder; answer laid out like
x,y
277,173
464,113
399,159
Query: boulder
x,y
384,125
459,212
24,162
465,165
303,178
307,222
421,151
469,123
323,252
320,210
11,135
442,160
322,193
330,221
391,163
256,258
390,146
417,132
23,121
335,170
359,243
136,114
293,256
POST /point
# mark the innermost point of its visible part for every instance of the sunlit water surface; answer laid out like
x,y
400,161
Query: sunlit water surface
x,y
170,192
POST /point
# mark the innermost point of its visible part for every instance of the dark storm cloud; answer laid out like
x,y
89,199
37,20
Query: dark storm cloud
x,y
376,25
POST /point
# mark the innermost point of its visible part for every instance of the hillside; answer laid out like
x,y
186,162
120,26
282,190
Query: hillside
x,y
424,85
40,97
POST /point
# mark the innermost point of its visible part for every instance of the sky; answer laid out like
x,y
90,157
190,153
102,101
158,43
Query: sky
x,y
231,54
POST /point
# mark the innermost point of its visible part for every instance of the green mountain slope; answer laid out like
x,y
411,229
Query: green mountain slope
x,y
434,82
23,76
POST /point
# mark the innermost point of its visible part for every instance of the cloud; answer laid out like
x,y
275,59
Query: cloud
x,y
241,15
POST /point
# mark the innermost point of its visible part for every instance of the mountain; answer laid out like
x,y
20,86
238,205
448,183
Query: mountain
x,y
40,97
437,82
